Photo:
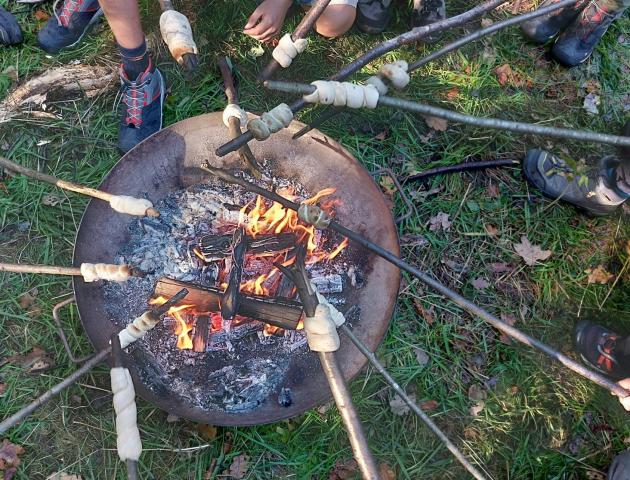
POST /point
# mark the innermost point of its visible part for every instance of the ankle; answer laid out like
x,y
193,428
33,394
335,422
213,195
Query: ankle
x,y
135,60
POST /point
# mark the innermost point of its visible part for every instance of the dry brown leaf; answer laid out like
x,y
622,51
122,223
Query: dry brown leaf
x,y
500,267
421,356
476,393
491,229
3,388
427,313
477,408
599,275
529,252
64,476
429,405
440,222
492,190
210,471
398,406
207,432
37,360
9,458
41,16
27,299
239,466
471,434
387,186
595,475
439,124
503,73
51,200
513,390
382,135
343,469
480,283
386,472
452,94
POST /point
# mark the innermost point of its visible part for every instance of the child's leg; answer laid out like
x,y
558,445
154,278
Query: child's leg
x,y
123,17
337,19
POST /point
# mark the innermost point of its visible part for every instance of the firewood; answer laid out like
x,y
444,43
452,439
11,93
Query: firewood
x,y
200,338
229,305
216,247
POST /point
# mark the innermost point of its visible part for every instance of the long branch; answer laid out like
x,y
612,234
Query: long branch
x,y
494,123
381,49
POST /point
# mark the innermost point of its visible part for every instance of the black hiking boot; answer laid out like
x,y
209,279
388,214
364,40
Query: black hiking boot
x,y
10,32
544,28
601,348
596,194
580,38
67,27
373,16
426,12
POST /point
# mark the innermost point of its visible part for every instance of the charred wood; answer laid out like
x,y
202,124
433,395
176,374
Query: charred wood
x,y
232,292
200,338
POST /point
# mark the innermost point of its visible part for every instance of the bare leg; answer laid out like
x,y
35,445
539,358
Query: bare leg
x,y
336,20
123,17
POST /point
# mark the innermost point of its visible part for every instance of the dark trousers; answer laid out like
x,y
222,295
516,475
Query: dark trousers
x,y
620,467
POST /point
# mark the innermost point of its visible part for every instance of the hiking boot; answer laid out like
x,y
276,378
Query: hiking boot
x,y
544,28
69,24
373,15
596,193
601,348
10,32
143,99
579,39
426,12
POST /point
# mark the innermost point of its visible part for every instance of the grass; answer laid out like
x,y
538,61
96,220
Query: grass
x,y
539,420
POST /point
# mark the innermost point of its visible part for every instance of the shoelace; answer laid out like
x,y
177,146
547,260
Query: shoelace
x,y
605,350
68,8
134,97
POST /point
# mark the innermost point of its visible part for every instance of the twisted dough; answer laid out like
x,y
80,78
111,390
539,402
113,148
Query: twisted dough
x,y
138,328
313,215
395,73
102,271
343,94
130,205
287,50
233,110
128,436
177,34
321,329
270,122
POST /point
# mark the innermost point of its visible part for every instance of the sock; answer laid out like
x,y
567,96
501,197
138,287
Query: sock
x,y
135,60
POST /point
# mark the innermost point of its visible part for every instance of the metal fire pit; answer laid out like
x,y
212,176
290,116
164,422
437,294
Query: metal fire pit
x,y
169,161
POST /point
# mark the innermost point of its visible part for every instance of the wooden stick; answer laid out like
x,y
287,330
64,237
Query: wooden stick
x,y
73,187
247,156
300,32
45,269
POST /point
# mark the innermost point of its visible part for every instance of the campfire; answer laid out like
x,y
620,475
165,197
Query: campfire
x,y
249,286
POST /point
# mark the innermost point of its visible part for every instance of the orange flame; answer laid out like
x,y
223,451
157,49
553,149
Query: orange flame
x,y
182,329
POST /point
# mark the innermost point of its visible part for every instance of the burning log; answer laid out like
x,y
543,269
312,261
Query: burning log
x,y
215,247
200,338
231,296
278,312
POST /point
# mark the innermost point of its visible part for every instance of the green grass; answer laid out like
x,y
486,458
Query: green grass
x,y
540,421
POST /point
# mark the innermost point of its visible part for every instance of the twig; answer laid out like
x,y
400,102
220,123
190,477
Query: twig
x,y
73,187
381,49
414,407
43,269
494,123
300,31
455,297
460,167
245,153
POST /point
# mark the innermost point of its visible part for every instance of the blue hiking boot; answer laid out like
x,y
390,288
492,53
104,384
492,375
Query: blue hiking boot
x,y
143,99
10,32
544,28
69,24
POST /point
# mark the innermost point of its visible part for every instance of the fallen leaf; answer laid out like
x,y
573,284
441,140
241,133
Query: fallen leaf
x,y
170,418
594,475
3,388
9,458
500,267
486,22
452,94
343,469
239,466
256,51
492,190
37,360
27,299
210,471
599,275
591,103
513,390
227,443
489,54
491,230
64,476
510,320
439,124
382,135
12,73
429,405
440,222
507,76
480,283
207,432
387,186
421,356
386,472
427,313
529,252
471,434
51,200
398,406
41,16
476,393
455,266
413,240
477,408
591,86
